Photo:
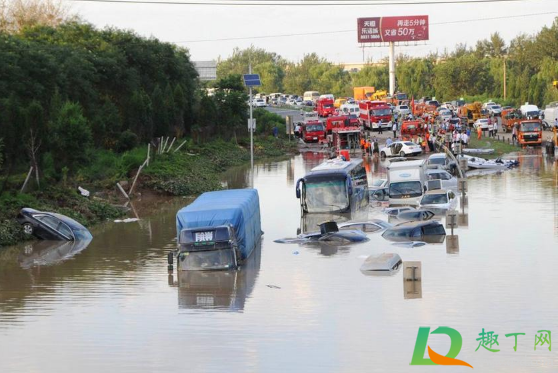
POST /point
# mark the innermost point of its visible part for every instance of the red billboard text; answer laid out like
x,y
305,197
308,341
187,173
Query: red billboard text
x,y
391,29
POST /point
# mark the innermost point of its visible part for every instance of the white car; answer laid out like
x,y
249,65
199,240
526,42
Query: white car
x,y
439,199
441,160
444,114
494,109
446,180
400,149
259,102
379,184
403,110
482,122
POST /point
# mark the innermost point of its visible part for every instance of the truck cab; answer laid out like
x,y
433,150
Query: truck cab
x,y
313,131
325,107
407,182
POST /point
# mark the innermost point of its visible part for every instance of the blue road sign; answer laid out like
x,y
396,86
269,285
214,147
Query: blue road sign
x,y
252,80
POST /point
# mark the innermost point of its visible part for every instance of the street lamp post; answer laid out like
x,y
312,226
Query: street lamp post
x,y
504,76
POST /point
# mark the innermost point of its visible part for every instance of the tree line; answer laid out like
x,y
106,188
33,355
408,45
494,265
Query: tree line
x,y
70,89
474,72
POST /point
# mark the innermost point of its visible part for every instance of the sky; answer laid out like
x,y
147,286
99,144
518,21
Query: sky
x,y
191,26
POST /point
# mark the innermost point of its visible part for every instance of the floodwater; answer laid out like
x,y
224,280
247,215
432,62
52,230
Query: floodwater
x,y
111,306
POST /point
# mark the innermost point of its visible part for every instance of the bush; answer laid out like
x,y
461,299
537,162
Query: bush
x,y
126,141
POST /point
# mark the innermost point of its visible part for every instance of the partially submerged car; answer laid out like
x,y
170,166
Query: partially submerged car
x,y
439,200
415,215
371,226
430,231
385,264
329,233
51,226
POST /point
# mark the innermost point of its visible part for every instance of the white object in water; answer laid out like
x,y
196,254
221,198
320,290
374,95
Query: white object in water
x,y
83,192
383,264
128,220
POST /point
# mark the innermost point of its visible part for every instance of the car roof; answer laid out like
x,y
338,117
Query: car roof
x,y
438,155
436,191
415,224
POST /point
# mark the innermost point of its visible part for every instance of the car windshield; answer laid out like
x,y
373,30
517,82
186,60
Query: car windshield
x,y
378,182
434,199
380,112
409,143
530,126
206,260
403,107
406,189
82,235
497,107
437,160
326,195
327,106
532,114
314,128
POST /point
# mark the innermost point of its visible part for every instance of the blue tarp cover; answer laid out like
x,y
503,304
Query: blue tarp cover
x,y
238,207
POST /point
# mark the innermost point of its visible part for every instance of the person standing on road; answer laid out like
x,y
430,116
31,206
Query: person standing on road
x,y
394,129
479,132
514,134
380,127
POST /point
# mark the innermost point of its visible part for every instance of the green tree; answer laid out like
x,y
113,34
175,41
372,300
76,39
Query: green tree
x,y
70,136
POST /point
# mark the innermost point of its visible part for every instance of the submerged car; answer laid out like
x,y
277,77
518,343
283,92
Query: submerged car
x,y
385,264
51,226
370,226
439,200
414,215
430,231
329,232
443,178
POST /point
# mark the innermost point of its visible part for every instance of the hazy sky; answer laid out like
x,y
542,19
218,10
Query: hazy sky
x,y
184,24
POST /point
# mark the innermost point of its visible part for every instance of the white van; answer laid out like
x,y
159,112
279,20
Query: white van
x,y
311,96
529,111
551,112
350,109
330,96
407,182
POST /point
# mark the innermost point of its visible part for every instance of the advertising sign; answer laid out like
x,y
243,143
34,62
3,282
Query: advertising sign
x,y
388,29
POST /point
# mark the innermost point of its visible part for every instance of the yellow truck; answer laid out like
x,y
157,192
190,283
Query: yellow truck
x,y
363,93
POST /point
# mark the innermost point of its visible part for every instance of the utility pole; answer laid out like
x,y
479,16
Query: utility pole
x,y
504,77
391,68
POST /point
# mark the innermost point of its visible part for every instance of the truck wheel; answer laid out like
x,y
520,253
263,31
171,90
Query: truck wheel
x,y
28,228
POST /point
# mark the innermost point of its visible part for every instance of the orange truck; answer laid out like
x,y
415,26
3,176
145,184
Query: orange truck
x,y
363,93
530,132
412,128
472,112
511,118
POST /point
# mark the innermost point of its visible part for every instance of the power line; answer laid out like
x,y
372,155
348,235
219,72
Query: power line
x,y
313,3
354,30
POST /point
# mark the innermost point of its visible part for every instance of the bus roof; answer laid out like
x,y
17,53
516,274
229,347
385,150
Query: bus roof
x,y
335,165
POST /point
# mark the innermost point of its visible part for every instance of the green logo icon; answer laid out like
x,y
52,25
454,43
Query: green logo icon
x,y
434,358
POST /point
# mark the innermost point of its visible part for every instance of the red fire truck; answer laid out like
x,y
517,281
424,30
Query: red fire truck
x,y
313,131
325,107
372,112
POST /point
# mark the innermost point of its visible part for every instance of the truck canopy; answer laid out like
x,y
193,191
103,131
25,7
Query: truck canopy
x,y
237,207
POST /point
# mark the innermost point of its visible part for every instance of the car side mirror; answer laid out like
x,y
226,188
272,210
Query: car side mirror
x,y
297,189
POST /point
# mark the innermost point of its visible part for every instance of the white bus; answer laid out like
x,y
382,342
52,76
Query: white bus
x,y
311,96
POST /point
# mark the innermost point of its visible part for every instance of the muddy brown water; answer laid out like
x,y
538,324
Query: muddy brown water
x,y
111,306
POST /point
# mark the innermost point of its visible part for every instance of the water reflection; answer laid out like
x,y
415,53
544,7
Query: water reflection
x,y
45,253
218,290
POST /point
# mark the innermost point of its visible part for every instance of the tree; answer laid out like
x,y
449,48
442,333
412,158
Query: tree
x,y
16,15
70,136
160,113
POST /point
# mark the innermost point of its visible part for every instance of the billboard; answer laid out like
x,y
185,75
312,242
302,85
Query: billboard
x,y
387,29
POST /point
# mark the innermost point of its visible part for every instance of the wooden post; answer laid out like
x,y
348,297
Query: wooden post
x,y
26,179
122,190
180,146
136,178
165,145
170,146
148,151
